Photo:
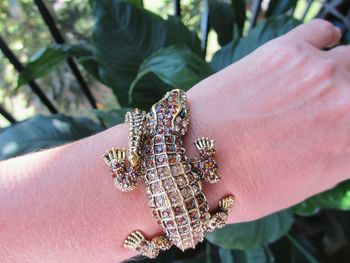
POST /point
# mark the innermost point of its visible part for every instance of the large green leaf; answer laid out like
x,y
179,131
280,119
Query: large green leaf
x,y
253,234
43,132
291,249
257,255
263,32
280,7
124,36
42,63
175,65
48,59
227,19
221,19
239,15
336,198
113,117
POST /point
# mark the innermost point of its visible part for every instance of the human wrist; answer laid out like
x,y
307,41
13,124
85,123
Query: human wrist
x,y
205,124
243,155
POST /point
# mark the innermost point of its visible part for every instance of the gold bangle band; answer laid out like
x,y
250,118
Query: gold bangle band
x,y
173,181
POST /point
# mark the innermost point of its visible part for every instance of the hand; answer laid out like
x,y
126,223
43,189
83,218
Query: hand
x,y
281,120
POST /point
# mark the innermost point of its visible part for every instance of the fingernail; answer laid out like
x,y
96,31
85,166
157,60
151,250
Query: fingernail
x,y
338,31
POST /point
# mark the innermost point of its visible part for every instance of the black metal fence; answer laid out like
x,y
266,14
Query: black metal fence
x,y
336,11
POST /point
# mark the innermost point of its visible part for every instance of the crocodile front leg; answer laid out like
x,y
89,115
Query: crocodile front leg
x,y
125,176
136,241
124,164
206,165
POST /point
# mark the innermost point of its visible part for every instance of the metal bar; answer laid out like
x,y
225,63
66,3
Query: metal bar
x,y
56,34
256,6
32,84
177,7
7,115
329,8
205,27
309,3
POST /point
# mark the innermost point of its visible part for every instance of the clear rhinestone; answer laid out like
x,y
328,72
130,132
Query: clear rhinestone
x,y
174,197
186,192
184,229
151,176
160,201
166,213
169,184
175,169
156,188
163,172
181,180
182,220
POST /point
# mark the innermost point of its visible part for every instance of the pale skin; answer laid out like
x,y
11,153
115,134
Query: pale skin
x,y
280,118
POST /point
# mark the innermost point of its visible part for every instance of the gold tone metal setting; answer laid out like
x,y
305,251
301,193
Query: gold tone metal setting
x,y
173,181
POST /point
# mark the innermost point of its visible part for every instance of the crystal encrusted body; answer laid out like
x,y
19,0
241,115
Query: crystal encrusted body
x,y
173,181
174,191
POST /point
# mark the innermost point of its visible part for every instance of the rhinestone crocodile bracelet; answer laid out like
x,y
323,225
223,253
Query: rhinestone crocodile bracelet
x,y
173,181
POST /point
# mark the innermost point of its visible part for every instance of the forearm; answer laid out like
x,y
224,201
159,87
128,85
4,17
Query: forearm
x,y
279,140
61,205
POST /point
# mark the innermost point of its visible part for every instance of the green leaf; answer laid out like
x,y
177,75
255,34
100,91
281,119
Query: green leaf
x,y
227,19
43,62
263,32
177,66
124,36
84,54
257,255
43,132
138,3
280,7
113,117
239,15
48,59
336,198
310,258
295,250
251,235
221,19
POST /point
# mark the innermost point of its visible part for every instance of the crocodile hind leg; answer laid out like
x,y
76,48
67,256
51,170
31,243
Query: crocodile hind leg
x,y
219,219
136,241
206,165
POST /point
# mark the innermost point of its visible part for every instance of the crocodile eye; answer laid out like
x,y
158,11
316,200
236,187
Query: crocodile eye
x,y
182,114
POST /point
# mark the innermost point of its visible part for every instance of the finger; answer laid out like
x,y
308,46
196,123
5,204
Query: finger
x,y
342,54
319,33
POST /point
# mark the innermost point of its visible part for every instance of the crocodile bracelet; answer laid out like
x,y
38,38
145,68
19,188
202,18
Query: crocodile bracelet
x,y
173,181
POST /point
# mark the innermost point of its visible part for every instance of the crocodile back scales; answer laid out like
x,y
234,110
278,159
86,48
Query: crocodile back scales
x,y
174,194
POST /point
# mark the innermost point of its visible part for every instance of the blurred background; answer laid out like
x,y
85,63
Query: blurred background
x,y
25,32
91,60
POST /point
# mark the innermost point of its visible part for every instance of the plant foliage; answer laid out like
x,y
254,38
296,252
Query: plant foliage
x,y
139,56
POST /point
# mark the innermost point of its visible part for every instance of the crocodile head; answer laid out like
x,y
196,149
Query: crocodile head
x,y
171,113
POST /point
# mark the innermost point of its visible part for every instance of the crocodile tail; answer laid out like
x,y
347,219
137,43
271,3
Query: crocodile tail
x,y
136,120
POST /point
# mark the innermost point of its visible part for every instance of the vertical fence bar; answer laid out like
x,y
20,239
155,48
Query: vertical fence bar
x,y
309,3
56,34
256,6
7,115
177,7
32,84
205,27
